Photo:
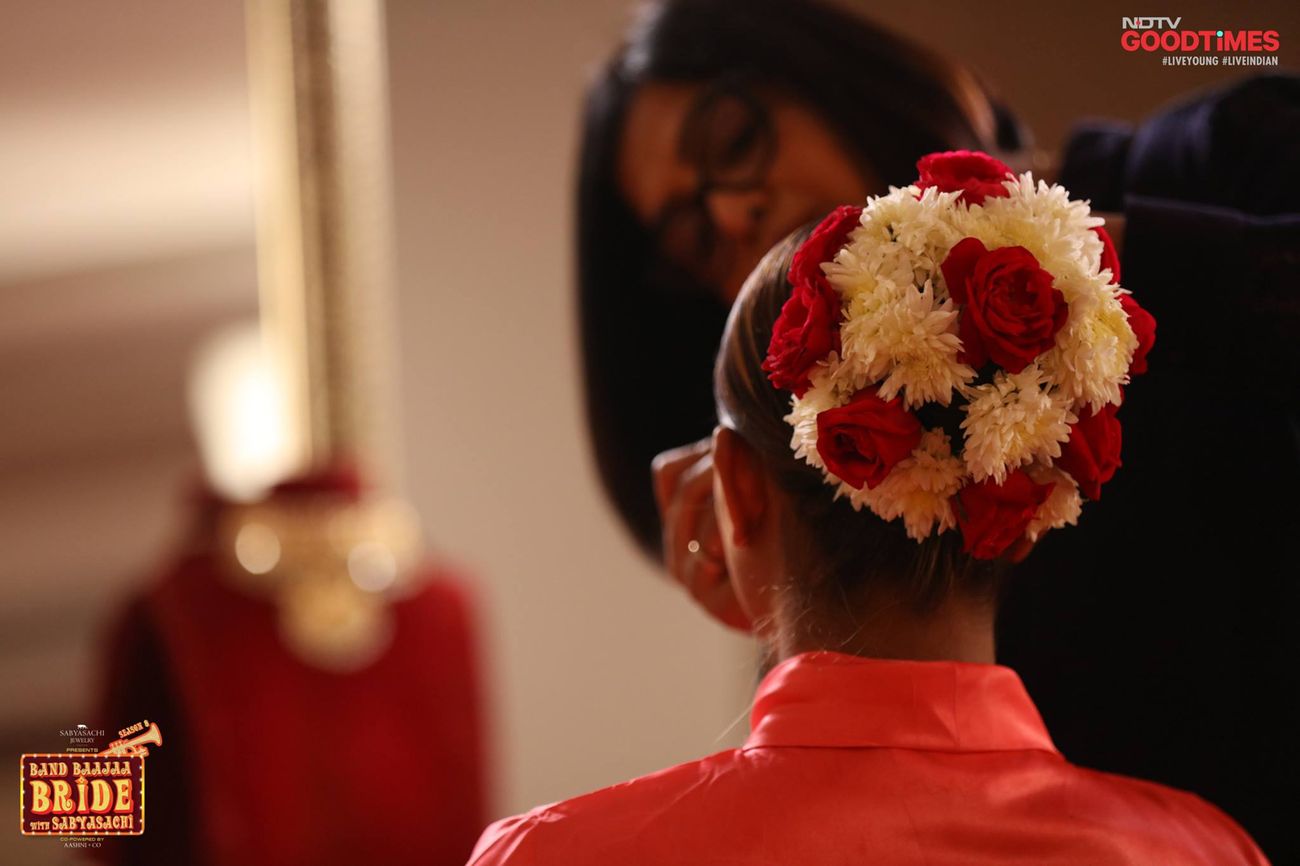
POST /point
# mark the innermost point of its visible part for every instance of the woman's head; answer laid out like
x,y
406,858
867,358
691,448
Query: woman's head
x,y
720,126
719,173
917,390
784,530
766,114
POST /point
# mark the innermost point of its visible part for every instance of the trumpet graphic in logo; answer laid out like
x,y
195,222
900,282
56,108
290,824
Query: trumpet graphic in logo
x,y
102,794
137,745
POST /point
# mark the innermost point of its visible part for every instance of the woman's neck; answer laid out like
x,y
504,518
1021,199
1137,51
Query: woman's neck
x,y
959,629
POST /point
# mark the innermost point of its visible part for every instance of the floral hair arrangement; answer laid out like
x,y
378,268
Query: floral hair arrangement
x,y
957,351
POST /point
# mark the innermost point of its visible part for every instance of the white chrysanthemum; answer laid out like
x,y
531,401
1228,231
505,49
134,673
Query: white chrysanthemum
x,y
1093,351
908,339
903,237
1042,219
820,396
1063,505
919,488
921,224
1012,421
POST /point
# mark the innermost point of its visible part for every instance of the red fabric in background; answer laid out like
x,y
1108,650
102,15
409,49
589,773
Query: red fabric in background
x,y
288,764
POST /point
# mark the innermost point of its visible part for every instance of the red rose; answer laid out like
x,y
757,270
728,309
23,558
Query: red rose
x,y
992,517
1109,256
808,328
864,439
1144,326
822,245
1011,311
976,175
1092,454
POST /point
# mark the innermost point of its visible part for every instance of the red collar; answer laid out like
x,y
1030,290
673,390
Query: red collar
x,y
832,699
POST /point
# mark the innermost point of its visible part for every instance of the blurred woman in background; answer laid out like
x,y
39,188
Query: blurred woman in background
x,y
718,128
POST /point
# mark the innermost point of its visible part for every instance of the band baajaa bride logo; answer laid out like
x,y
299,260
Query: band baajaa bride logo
x,y
86,793
1185,46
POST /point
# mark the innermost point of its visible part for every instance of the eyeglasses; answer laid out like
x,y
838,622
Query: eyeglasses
x,y
728,136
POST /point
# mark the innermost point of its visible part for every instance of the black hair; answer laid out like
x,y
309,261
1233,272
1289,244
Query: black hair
x,y
649,332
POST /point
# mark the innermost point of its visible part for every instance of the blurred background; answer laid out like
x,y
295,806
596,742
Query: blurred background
x,y
127,240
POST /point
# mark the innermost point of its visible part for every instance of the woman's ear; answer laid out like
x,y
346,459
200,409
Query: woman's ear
x,y
743,500
741,484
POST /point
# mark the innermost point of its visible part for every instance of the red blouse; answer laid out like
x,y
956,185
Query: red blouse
x,y
854,761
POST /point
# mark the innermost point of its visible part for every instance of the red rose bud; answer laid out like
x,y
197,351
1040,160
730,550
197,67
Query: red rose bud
x,y
807,330
825,241
976,175
992,517
1091,456
1144,327
1010,309
861,441
1109,255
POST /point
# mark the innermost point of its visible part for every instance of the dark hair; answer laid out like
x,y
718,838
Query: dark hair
x,y
832,548
649,332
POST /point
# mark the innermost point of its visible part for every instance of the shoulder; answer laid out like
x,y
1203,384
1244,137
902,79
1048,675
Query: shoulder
x,y
598,826
1178,817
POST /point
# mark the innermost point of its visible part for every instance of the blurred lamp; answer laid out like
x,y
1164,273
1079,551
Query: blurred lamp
x,y
240,413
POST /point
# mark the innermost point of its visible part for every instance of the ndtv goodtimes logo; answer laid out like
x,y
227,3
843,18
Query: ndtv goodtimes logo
x,y
1183,46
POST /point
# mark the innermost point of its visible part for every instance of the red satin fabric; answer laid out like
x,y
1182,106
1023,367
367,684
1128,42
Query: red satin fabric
x,y
295,765
891,763
279,763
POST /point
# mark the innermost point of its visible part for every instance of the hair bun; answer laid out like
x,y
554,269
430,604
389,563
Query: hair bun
x,y
975,296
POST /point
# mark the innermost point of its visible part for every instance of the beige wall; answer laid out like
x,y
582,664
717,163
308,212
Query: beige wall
x,y
600,669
